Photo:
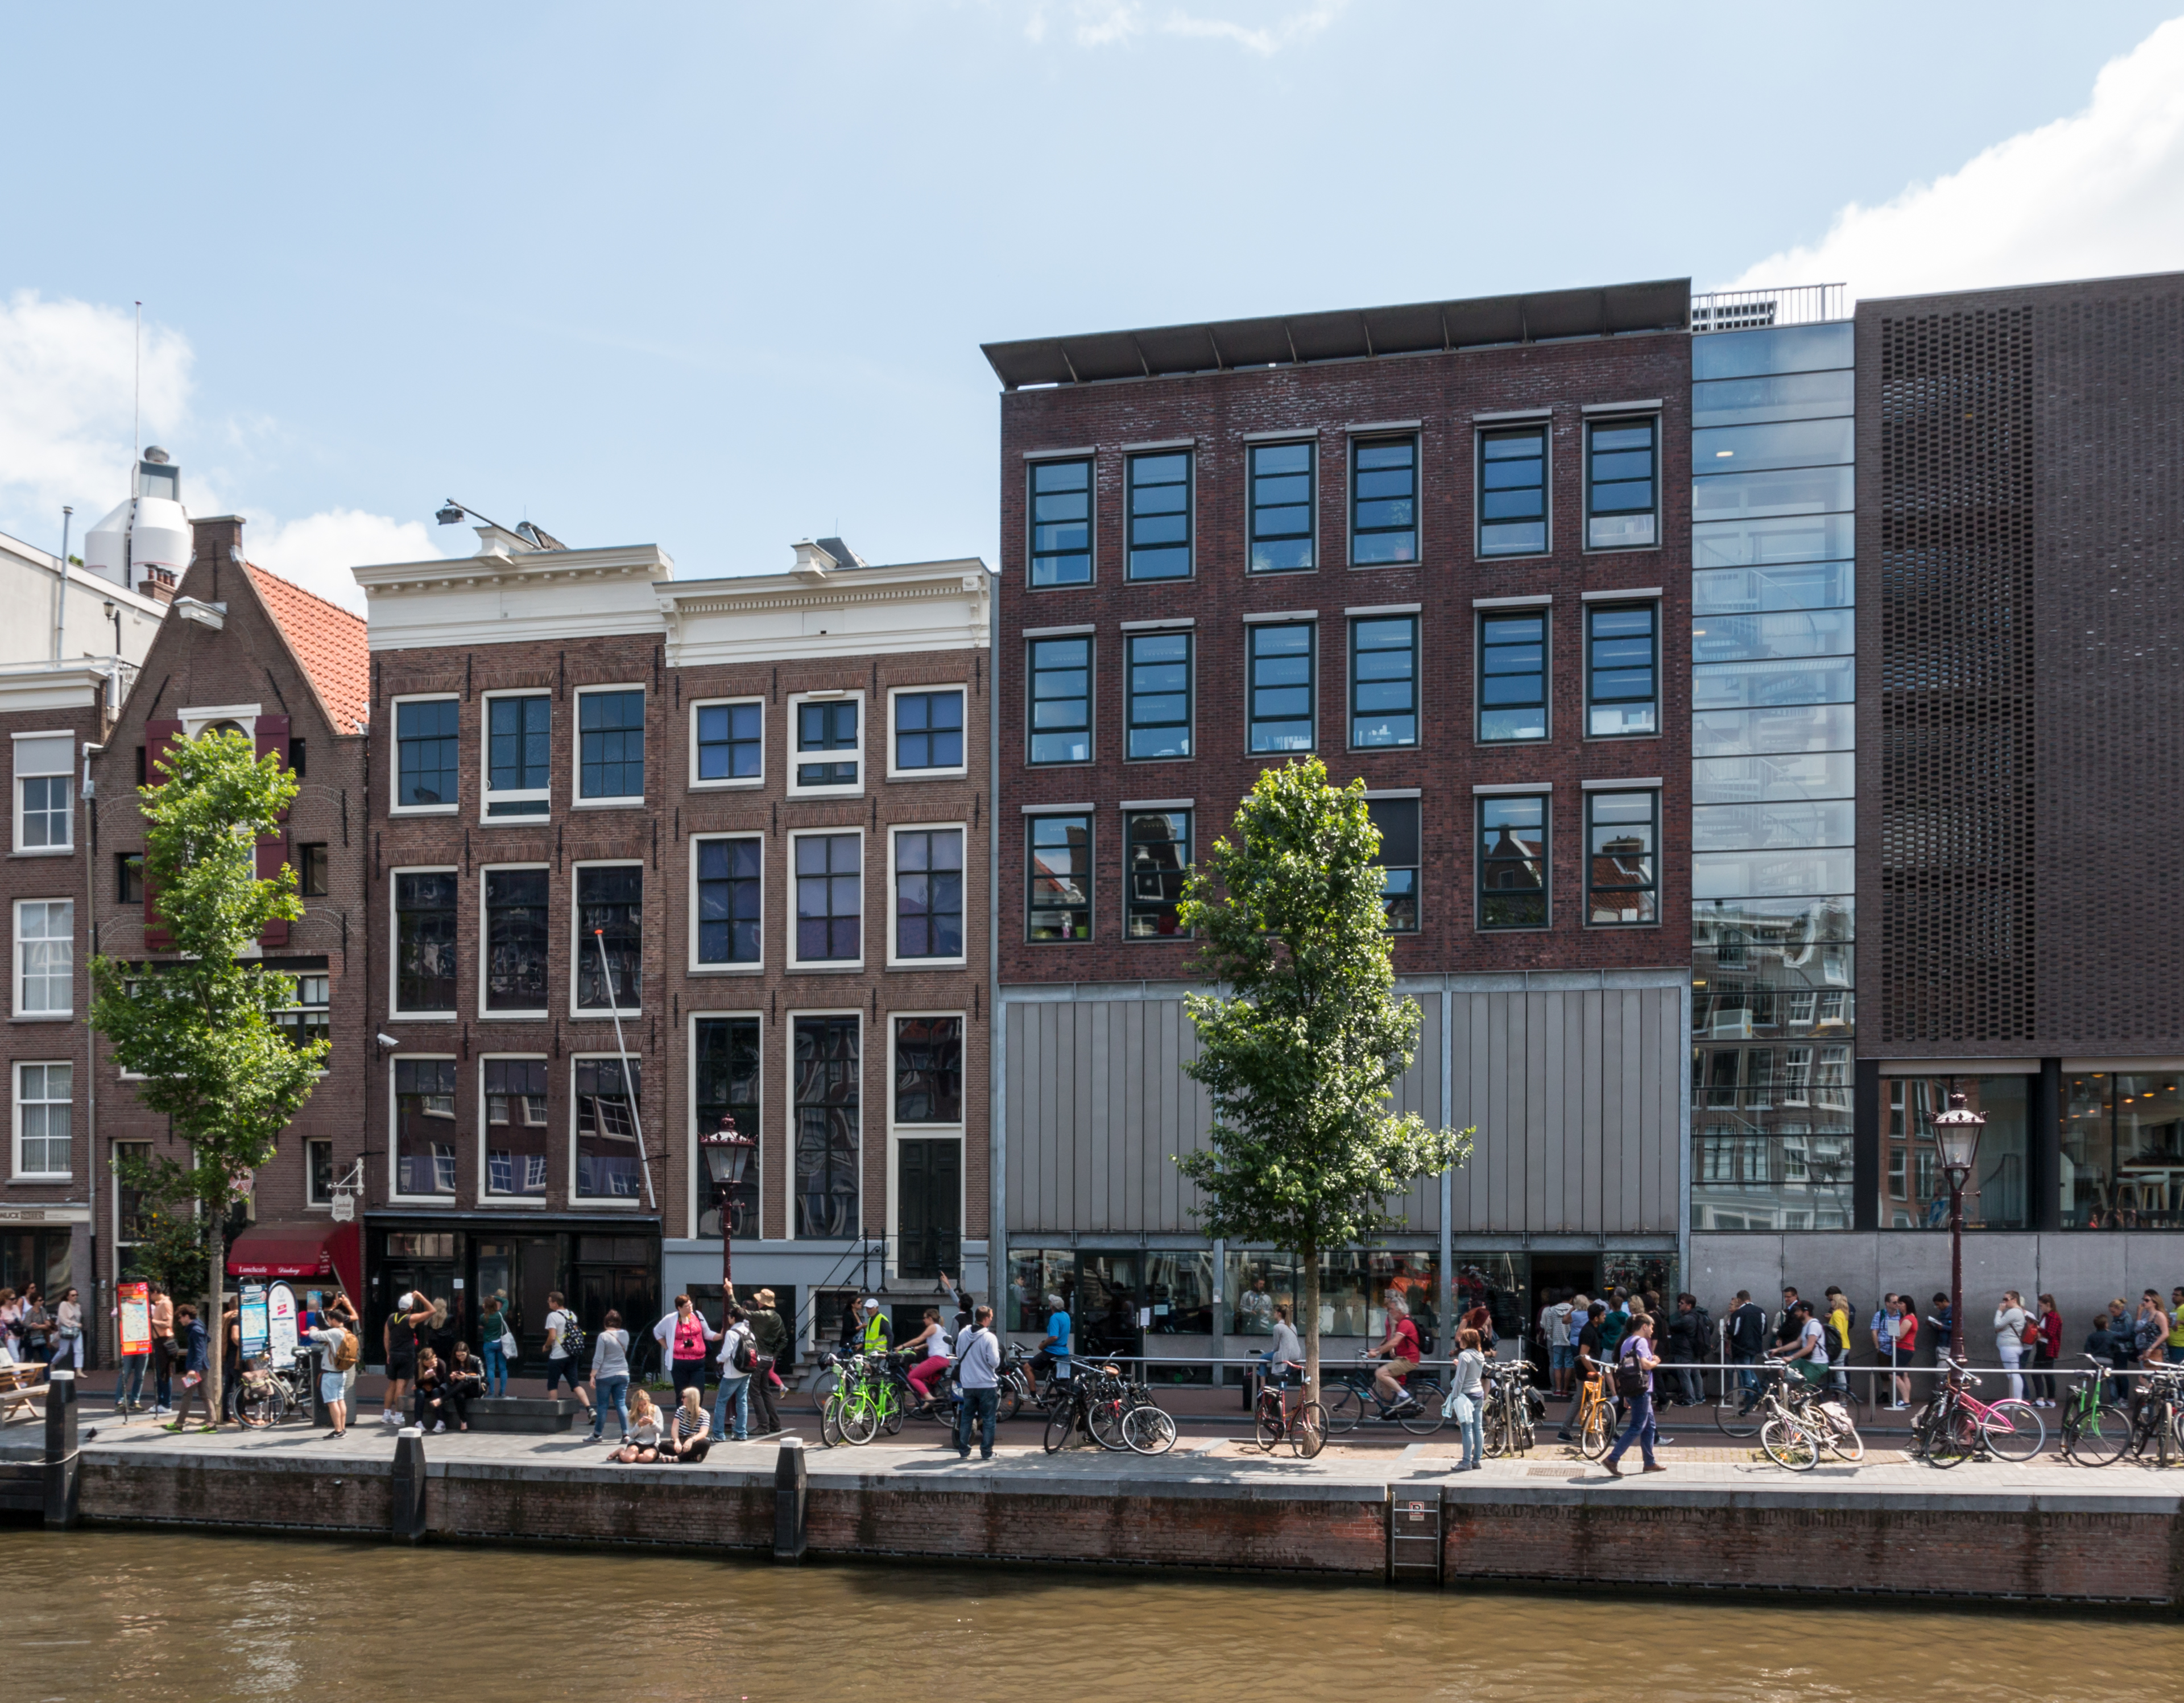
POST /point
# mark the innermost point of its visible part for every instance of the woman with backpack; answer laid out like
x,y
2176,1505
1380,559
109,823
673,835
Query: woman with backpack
x,y
336,1356
1634,1360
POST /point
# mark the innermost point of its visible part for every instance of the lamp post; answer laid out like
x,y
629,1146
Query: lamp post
x,y
727,1153
1957,1135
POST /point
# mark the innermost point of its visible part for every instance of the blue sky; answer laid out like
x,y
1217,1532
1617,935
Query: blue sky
x,y
716,276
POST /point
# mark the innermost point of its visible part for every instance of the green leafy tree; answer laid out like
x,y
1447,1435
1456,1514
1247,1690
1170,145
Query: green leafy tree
x,y
168,1229
201,1030
1300,1048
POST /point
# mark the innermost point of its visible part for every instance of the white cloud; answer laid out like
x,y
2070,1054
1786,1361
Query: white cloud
x,y
2096,194
1107,22
318,551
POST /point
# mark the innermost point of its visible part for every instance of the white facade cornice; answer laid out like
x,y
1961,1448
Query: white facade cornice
x,y
505,599
891,609
25,688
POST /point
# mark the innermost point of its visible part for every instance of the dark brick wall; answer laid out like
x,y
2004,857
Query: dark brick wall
x,y
1444,392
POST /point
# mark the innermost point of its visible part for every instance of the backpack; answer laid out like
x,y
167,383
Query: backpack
x,y
2030,1335
746,1357
345,1352
572,1336
1629,1376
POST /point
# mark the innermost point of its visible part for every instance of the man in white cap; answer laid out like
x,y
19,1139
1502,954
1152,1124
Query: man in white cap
x,y
400,1341
875,1336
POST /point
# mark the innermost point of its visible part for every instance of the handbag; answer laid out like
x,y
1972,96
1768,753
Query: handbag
x,y
508,1343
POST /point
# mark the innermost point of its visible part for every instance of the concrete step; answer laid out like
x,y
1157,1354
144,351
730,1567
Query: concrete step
x,y
517,1413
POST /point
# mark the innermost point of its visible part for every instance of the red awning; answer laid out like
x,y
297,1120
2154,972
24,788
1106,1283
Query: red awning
x,y
328,1251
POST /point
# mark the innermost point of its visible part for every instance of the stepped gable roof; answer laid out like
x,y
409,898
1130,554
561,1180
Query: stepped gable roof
x,y
328,641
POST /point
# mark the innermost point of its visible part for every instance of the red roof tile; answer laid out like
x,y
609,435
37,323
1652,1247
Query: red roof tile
x,y
328,641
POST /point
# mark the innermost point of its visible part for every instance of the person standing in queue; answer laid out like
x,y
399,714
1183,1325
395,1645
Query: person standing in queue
x,y
1747,1342
770,1337
165,1352
739,1361
610,1375
978,1373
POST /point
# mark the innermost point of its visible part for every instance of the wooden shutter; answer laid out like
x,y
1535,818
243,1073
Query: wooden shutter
x,y
157,736
273,850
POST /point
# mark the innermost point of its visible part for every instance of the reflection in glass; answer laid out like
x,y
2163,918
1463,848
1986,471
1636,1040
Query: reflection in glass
x,y
2123,1151
1996,1196
1809,490
1804,633
1790,585
1764,780
1747,401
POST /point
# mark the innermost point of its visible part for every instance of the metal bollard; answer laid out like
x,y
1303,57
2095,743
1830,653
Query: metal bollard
x,y
789,1491
408,1517
61,1459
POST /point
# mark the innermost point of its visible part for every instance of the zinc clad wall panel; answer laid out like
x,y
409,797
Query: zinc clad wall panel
x,y
1471,1053
1589,1215
1667,1108
1168,1134
1644,1137
1500,1110
1538,1063
1097,1023
1417,1205
1079,1157
1024,1144
1543,1154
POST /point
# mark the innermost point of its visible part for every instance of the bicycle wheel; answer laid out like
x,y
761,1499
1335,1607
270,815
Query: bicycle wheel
x,y
2097,1438
830,1422
1789,1444
2013,1430
1104,1420
1730,1416
1426,1418
1593,1435
1009,1401
1952,1437
259,1408
860,1418
829,1381
1149,1430
1308,1430
1846,1443
1059,1424
1344,1408
892,1409
1267,1422
1494,1432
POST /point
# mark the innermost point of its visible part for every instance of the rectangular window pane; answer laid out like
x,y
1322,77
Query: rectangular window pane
x,y
1401,860
312,871
729,741
1383,501
1787,349
47,815
515,937
1157,851
929,1070
1513,677
1754,496
827,1100
726,1056
1060,522
424,942
829,897
43,1119
515,1125
1620,657
928,893
1748,401
425,1124
1159,516
1770,540
1739,685
1058,878
1513,491
822,728
129,877
1764,874
728,891
1061,701
1767,780
610,745
610,918
1283,689
1742,827
1283,485
1384,681
1786,443
1804,728
1622,857
607,1111
1621,484
1159,686
426,752
1798,632
309,1019
928,731
1512,863
45,957
1755,590
519,753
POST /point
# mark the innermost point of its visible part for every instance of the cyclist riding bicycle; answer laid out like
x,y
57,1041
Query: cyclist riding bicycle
x,y
1053,1353
1285,1348
1400,1356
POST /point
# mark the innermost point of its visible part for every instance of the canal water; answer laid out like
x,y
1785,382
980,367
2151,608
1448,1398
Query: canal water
x,y
146,1617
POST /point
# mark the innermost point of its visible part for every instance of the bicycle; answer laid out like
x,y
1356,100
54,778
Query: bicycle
x,y
2096,1431
866,1400
1596,1419
1954,1424
1303,1427
1092,1401
1506,1426
267,1395
2160,1417
1419,1412
1802,1420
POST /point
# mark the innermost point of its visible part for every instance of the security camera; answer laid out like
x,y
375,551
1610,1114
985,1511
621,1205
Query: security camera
x,y
387,1039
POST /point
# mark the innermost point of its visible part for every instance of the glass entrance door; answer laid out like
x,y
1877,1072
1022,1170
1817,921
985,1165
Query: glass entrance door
x,y
1106,1303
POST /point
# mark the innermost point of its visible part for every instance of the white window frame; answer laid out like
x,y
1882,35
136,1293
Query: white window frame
x,y
961,770
196,720
310,1142
298,977
737,783
394,1124
791,757
487,797
18,775
894,961
897,1134
486,1197
394,807
864,901
620,801
44,1013
864,1021
394,1010
484,946
578,945
15,1094
580,1203
757,965
701,1182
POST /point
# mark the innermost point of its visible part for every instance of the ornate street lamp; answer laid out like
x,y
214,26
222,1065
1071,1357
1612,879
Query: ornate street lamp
x,y
1957,1135
727,1153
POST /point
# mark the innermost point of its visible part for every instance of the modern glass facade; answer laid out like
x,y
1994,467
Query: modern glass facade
x,y
1773,682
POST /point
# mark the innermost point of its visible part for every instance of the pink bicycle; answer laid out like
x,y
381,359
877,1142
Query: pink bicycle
x,y
1955,1425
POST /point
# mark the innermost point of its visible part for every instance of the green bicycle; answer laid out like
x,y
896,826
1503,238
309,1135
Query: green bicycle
x,y
2095,1430
866,1400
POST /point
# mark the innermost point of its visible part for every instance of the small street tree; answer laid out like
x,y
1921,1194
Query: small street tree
x,y
201,1030
1300,1048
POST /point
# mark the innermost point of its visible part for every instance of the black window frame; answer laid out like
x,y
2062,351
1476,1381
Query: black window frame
x,y
929,1064
532,771
728,1075
1359,446
1253,632
1594,483
735,743
1411,620
620,915
1489,621
827,1122
509,1079
1254,507
1083,906
1539,433
1649,889
433,930
446,735
313,869
831,765
1651,697
1033,670
830,919
1169,877
515,907
613,739
129,877
1485,804
1161,547
1131,695
939,891
1034,555
1401,901
723,902
897,732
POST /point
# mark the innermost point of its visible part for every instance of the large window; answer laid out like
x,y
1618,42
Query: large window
x,y
829,1097
318,1172
44,792
609,919
424,941
2123,1149
1621,486
313,871
725,1063
515,1125
1384,501
1282,488
42,1094
518,755
607,1163
928,893
928,1150
515,940
1621,690
1157,845
928,1069
1997,1196
1513,491
1402,862
1159,710
1513,861
828,744
1061,523
1159,516
829,897
424,1126
1061,701
45,957
1282,685
730,743
1622,862
1384,681
928,731
610,746
1512,676
426,749
1058,878
728,899
311,1017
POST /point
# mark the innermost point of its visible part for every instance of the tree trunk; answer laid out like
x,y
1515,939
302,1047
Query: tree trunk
x,y
216,1332
1309,1258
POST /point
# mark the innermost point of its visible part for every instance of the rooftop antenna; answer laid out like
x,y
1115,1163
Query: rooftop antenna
x,y
136,406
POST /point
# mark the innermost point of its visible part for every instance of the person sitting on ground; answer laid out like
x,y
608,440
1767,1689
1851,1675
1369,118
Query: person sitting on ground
x,y
929,1356
466,1383
689,1433
644,1444
1399,1356
430,1411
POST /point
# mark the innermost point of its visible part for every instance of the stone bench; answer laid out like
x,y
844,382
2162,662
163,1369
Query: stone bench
x,y
517,1413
